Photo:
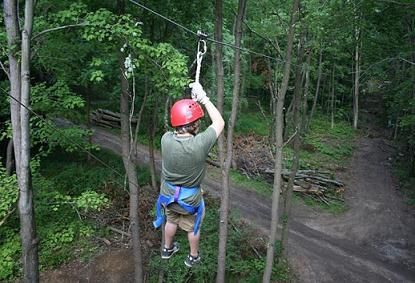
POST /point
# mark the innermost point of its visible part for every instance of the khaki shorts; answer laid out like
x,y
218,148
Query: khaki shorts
x,y
186,222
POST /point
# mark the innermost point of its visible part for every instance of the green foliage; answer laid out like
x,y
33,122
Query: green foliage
x,y
3,40
406,181
9,252
55,99
258,185
165,65
335,207
326,147
8,193
252,122
91,200
66,189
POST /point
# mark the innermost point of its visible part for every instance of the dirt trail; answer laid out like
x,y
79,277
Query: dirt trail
x,y
372,242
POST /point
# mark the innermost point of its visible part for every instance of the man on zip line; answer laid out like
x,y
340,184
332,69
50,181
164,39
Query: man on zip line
x,y
184,153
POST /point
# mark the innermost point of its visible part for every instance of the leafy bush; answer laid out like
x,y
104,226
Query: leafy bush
x,y
8,193
252,123
9,254
330,147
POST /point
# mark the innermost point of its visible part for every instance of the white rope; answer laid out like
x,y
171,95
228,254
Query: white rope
x,y
199,57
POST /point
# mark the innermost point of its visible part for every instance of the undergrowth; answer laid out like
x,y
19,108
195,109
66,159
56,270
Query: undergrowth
x,y
251,122
323,149
406,181
243,264
326,148
65,190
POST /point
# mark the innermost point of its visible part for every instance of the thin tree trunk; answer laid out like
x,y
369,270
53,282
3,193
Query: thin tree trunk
x,y
224,209
88,120
313,108
13,38
26,210
130,169
220,85
279,146
152,133
296,125
9,158
306,88
356,75
412,42
332,98
140,116
131,174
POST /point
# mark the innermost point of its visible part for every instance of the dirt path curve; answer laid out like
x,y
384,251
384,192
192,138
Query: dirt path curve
x,y
374,241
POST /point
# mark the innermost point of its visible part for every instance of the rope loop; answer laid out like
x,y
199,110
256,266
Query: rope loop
x,y
201,50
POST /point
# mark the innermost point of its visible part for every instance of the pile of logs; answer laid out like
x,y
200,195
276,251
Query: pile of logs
x,y
254,159
318,185
108,119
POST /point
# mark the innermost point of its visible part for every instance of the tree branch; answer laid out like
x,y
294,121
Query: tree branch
x,y
397,2
10,212
5,70
58,28
290,138
407,61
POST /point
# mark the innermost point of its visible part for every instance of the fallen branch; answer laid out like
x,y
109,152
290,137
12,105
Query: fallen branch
x,y
119,231
7,216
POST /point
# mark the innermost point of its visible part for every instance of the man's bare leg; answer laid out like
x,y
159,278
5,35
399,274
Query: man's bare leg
x,y
169,232
194,243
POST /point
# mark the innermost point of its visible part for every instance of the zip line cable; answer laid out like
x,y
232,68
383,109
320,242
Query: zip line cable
x,y
213,40
77,144
208,39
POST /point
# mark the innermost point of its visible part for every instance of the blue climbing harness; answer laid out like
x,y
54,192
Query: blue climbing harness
x,y
180,194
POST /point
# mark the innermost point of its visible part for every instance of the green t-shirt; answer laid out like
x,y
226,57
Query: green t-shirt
x,y
183,162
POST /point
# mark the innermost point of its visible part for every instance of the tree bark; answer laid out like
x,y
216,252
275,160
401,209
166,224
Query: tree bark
x,y
313,108
287,195
224,209
126,138
9,158
22,151
357,73
131,174
332,100
152,133
279,146
306,88
13,40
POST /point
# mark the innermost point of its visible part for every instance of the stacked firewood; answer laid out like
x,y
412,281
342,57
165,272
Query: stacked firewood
x,y
254,159
317,185
108,119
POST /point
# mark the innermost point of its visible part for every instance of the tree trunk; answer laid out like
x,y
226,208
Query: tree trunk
x,y
306,88
139,117
332,98
224,209
88,120
297,142
152,133
13,39
279,146
131,173
297,127
25,204
313,108
9,158
356,75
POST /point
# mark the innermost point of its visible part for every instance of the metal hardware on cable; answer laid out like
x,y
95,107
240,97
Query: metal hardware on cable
x,y
201,50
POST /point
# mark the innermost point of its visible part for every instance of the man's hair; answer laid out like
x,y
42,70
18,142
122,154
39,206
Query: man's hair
x,y
191,128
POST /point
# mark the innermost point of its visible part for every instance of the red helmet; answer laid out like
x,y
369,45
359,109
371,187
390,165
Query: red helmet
x,y
184,112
